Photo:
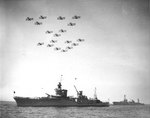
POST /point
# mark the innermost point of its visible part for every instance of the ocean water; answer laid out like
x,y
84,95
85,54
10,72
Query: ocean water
x,y
10,110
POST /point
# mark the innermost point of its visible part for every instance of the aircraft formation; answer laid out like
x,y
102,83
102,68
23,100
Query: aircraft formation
x,y
70,44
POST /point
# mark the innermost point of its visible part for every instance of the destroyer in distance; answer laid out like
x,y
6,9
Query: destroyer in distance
x,y
60,100
126,102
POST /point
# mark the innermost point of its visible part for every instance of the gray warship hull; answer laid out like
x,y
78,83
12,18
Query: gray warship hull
x,y
60,100
56,102
127,103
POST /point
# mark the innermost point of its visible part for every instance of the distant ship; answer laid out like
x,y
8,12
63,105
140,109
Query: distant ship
x,y
60,100
126,102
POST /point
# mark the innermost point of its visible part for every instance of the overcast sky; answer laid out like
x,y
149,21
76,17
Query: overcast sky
x,y
114,57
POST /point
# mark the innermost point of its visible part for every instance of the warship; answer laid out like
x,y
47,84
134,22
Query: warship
x,y
60,100
126,102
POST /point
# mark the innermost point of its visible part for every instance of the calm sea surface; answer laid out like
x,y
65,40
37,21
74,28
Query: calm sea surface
x,y
10,110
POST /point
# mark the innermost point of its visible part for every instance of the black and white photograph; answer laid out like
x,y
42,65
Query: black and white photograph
x,y
74,59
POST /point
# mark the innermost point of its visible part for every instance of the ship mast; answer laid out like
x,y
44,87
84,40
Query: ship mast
x,y
125,99
138,100
61,78
95,95
59,84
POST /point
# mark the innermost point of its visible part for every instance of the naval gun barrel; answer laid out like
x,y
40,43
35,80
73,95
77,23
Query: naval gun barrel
x,y
47,94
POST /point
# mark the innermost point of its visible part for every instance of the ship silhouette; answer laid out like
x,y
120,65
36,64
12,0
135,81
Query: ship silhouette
x,y
126,102
60,100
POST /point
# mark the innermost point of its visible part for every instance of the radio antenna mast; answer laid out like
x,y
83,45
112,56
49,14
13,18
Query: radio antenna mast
x,y
95,95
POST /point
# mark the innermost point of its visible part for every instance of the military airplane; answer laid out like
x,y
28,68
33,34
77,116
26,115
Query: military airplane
x,y
61,30
57,35
80,40
50,45
39,44
60,18
49,32
75,44
68,47
71,24
68,41
76,17
64,50
38,23
42,17
57,48
29,19
53,41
